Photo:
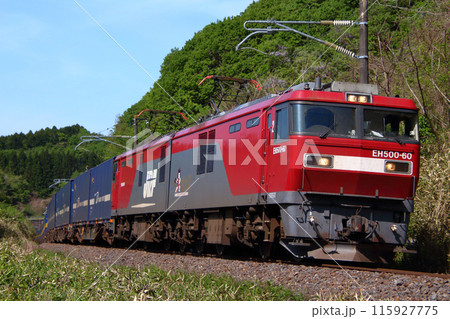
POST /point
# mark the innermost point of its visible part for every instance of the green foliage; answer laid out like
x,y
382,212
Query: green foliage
x,y
13,189
14,225
430,227
41,275
407,45
38,158
411,59
44,137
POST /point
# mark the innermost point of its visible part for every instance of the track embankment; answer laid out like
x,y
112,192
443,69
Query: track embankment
x,y
321,283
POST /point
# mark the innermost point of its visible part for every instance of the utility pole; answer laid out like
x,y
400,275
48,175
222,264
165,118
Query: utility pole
x,y
363,43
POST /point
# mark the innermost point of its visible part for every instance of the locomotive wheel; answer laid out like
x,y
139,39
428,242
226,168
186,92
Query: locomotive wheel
x,y
265,249
200,246
220,249
182,247
167,244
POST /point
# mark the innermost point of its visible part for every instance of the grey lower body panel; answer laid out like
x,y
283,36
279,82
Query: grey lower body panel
x,y
344,227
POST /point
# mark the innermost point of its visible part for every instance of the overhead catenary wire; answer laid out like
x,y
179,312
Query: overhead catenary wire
x,y
282,26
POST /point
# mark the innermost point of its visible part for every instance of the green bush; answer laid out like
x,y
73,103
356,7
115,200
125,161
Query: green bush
x,y
13,189
13,224
429,228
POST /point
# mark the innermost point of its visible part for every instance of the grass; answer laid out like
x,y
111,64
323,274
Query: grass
x,y
429,229
13,224
42,275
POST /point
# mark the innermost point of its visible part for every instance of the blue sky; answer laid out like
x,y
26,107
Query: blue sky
x,y
59,68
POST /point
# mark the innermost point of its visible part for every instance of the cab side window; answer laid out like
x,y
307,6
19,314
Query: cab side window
x,y
115,168
281,124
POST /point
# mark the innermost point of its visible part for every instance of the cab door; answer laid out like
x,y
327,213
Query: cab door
x,y
115,187
276,149
267,135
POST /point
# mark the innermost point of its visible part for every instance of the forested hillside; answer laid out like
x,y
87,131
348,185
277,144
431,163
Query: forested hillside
x,y
29,162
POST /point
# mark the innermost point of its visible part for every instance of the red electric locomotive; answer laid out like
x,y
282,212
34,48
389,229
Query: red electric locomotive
x,y
327,172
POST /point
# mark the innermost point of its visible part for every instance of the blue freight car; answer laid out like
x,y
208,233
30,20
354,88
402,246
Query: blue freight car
x,y
80,198
81,210
63,205
100,191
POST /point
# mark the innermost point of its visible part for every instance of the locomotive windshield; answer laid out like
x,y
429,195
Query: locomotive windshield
x,y
324,120
390,124
354,121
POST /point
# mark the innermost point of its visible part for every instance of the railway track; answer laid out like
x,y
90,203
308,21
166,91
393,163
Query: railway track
x,y
391,271
232,255
310,263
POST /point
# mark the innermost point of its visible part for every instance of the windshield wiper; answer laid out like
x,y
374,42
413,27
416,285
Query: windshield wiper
x,y
398,140
326,133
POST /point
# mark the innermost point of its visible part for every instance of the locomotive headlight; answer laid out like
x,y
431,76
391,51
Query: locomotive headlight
x,y
397,167
360,98
352,98
363,99
390,166
325,161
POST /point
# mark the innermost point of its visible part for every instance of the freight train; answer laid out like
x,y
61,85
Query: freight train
x,y
320,171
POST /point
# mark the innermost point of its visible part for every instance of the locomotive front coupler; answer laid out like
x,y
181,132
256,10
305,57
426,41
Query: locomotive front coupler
x,y
358,228
313,223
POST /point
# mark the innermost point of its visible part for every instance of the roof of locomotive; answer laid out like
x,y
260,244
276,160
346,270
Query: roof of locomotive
x,y
304,93
334,92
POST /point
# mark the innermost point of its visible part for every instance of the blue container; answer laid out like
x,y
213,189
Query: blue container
x,y
63,205
80,198
100,191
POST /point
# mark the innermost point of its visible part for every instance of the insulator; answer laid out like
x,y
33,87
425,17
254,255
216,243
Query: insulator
x,y
345,51
342,22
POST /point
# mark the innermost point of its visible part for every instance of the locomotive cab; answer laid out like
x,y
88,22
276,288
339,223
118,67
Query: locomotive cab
x,y
343,165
